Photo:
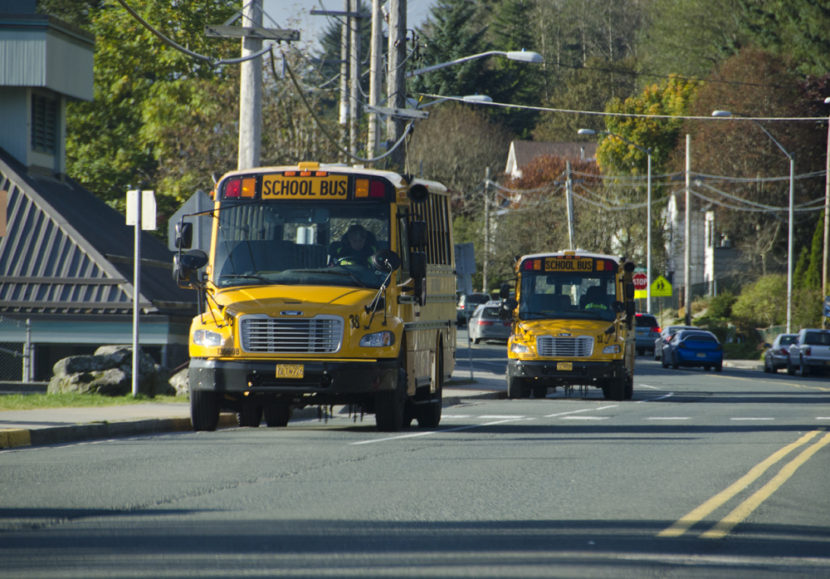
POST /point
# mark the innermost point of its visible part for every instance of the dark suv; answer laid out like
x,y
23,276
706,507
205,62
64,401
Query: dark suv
x,y
647,331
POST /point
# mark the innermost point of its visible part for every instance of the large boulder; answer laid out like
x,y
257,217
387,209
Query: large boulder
x,y
109,372
180,381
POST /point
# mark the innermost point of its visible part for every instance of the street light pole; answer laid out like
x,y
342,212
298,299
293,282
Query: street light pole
x,y
790,211
647,151
826,222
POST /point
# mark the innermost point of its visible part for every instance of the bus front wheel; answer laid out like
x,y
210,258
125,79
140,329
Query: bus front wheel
x,y
204,410
614,388
390,405
517,387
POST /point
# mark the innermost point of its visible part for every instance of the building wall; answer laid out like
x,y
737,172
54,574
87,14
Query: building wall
x,y
39,53
14,115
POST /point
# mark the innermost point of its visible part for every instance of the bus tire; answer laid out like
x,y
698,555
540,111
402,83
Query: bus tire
x,y
614,389
204,410
277,414
249,414
390,405
516,387
429,413
629,387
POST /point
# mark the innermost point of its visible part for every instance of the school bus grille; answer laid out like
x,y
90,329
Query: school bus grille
x,y
317,335
565,346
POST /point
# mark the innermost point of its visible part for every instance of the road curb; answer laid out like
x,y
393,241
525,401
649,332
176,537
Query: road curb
x,y
20,437
16,438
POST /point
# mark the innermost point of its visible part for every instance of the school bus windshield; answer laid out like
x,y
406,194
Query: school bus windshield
x,y
300,242
567,295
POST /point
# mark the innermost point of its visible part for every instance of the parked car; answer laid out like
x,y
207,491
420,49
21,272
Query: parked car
x,y
487,324
665,333
693,348
647,330
810,352
777,355
467,303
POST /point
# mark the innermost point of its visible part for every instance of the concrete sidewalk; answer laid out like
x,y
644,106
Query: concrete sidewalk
x,y
61,425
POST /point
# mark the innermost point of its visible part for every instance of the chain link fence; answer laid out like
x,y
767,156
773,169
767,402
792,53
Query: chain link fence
x,y
12,362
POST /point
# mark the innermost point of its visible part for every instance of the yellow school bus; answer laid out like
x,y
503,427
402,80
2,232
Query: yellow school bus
x,y
324,285
573,324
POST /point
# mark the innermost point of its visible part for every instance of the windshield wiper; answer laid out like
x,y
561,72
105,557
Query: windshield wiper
x,y
244,276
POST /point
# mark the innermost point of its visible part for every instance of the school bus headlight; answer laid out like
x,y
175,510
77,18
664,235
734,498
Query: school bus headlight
x,y
207,338
613,349
377,340
518,348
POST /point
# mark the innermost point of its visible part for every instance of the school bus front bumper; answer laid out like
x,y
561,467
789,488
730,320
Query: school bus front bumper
x,y
566,371
289,377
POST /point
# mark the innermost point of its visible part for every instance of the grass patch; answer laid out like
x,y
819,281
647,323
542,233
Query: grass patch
x,y
33,401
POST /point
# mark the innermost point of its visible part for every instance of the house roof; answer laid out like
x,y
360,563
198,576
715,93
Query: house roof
x,y
523,152
67,252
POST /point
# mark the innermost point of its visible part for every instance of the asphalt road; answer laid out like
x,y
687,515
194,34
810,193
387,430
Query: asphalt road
x,y
700,475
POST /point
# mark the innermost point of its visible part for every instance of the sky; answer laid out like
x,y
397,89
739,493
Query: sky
x,y
295,15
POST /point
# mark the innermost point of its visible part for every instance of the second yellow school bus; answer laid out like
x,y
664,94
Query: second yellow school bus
x,y
572,324
323,285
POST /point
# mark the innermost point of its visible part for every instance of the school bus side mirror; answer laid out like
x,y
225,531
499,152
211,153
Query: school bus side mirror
x,y
185,266
418,265
418,234
386,260
504,291
184,235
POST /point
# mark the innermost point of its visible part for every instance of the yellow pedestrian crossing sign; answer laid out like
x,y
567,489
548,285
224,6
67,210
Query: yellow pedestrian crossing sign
x,y
661,288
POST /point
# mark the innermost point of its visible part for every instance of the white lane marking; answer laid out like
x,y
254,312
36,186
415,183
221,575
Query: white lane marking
x,y
822,417
663,397
500,416
558,414
647,386
668,418
429,432
585,417
750,418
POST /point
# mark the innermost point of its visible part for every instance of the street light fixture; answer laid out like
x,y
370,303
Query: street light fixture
x,y
727,114
647,151
526,56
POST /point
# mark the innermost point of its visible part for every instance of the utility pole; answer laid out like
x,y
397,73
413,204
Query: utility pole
x,y
250,79
250,91
375,81
344,74
486,258
687,237
396,75
569,189
354,75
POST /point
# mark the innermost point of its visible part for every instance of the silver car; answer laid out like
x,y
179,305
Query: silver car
x,y
487,324
777,355
810,352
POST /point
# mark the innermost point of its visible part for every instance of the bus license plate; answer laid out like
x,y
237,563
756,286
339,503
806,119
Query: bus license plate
x,y
564,366
295,371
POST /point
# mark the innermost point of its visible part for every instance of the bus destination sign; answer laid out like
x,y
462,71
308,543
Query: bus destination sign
x,y
304,187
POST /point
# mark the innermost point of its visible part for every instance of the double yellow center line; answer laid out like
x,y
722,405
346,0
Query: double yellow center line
x,y
742,511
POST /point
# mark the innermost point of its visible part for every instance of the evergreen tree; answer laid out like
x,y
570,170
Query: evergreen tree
x,y
452,31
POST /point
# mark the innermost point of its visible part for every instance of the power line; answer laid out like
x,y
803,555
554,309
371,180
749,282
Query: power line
x,y
628,115
168,41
